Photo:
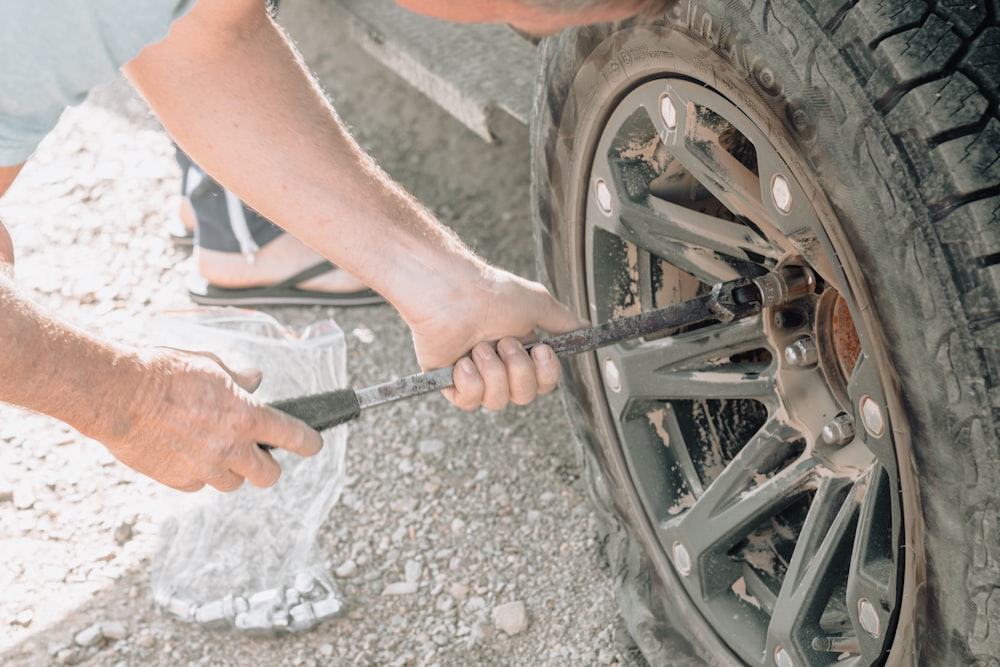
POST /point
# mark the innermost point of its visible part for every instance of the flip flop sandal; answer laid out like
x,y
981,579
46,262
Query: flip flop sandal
x,y
284,293
179,234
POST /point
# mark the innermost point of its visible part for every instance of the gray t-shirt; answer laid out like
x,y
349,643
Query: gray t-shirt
x,y
52,52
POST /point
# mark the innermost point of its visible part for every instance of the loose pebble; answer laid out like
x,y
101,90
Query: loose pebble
x,y
114,630
400,588
346,570
432,447
89,636
511,617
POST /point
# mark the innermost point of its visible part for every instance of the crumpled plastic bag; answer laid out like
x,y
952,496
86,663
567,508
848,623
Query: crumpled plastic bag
x,y
248,560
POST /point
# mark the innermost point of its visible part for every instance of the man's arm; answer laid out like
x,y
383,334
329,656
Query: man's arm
x,y
234,95
7,176
178,417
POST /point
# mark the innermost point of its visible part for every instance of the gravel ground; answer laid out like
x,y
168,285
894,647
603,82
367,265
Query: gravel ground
x,y
477,510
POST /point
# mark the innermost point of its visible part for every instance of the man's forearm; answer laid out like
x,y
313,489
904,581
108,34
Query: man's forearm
x,y
240,102
56,369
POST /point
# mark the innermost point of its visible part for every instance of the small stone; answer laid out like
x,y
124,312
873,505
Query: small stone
x,y
404,504
326,650
400,588
511,617
114,630
24,497
431,447
547,498
23,618
479,632
66,656
413,570
146,641
458,591
364,335
89,637
346,570
457,525
444,603
123,533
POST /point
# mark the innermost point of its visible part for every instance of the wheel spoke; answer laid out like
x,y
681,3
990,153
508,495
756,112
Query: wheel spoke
x,y
662,234
730,182
695,364
871,581
735,503
638,224
654,221
809,580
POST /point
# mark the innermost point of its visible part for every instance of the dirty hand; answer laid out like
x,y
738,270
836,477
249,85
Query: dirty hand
x,y
488,321
195,424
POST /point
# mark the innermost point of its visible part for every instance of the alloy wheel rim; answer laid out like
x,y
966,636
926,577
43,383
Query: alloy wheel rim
x,y
761,450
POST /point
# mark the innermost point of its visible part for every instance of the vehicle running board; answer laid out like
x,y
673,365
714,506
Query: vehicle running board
x,y
473,71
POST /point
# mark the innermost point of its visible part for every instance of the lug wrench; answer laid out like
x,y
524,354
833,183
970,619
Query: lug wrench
x,y
727,301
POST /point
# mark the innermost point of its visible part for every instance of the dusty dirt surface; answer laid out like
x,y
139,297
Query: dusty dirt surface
x,y
477,510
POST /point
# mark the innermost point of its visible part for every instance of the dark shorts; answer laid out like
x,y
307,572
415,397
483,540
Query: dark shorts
x,y
220,215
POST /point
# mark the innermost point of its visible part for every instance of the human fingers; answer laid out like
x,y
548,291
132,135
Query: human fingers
x,y
189,487
467,393
277,429
496,388
244,374
225,481
280,429
521,382
547,368
257,467
556,318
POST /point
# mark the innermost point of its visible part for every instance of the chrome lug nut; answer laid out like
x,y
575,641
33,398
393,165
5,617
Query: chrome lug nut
x,y
803,353
781,193
180,606
221,613
668,112
682,559
782,659
839,431
603,194
868,617
871,416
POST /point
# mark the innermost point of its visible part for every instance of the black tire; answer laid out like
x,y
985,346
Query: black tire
x,y
877,124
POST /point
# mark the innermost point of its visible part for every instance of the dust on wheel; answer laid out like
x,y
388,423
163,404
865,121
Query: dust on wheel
x,y
776,485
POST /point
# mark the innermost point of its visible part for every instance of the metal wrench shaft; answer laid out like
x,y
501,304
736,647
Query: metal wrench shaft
x,y
726,302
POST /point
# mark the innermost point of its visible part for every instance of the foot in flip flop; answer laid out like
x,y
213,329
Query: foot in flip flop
x,y
284,272
181,226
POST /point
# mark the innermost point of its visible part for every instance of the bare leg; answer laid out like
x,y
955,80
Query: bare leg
x,y
279,259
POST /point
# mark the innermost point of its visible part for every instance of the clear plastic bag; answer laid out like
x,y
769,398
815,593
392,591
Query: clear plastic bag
x,y
248,560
